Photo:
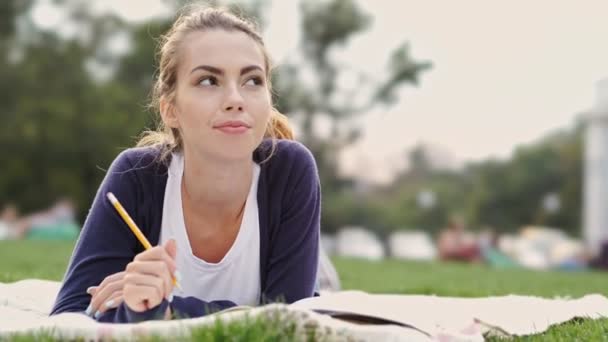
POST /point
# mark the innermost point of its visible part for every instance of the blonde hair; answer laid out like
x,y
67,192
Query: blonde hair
x,y
192,19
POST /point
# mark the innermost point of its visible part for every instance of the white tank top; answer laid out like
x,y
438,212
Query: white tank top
x,y
237,276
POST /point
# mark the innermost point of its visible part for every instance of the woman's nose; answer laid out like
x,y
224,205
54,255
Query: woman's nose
x,y
234,100
237,108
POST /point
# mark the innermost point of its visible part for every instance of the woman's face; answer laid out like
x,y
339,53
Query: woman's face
x,y
222,102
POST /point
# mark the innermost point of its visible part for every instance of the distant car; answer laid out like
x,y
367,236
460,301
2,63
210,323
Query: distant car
x,y
412,245
358,242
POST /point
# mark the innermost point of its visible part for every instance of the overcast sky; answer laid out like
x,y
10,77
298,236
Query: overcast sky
x,y
505,72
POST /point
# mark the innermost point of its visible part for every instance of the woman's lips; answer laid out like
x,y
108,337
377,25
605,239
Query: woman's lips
x,y
233,129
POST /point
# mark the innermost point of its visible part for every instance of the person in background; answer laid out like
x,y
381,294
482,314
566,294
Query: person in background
x,y
55,223
455,243
600,262
11,226
487,240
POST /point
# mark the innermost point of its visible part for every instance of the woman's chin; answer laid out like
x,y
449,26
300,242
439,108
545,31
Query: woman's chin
x,y
235,153
228,150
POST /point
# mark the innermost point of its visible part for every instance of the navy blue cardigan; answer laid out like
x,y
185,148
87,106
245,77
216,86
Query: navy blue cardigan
x,y
289,214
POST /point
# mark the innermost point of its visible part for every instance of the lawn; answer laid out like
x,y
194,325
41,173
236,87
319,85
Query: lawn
x,y
48,260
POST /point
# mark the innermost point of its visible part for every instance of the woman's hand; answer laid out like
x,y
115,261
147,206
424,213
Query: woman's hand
x,y
149,277
107,295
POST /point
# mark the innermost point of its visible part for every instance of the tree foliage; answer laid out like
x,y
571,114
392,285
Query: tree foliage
x,y
63,123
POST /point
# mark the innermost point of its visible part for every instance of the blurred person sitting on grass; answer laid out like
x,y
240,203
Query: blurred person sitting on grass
x,y
600,261
455,243
55,223
11,226
230,201
487,241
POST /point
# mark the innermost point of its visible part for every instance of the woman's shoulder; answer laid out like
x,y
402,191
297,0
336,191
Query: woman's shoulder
x,y
285,153
140,159
290,163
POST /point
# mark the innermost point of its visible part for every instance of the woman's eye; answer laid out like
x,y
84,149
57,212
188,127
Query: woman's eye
x,y
254,81
207,81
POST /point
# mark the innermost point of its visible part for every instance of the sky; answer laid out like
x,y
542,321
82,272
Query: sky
x,y
505,73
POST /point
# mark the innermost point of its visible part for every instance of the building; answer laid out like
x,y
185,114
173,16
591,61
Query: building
x,y
595,179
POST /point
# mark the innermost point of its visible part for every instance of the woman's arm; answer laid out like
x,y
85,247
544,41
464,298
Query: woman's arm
x,y
106,246
294,252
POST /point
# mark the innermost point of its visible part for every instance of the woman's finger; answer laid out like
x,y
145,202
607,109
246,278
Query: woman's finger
x,y
102,295
157,253
142,292
92,289
112,278
151,254
157,268
171,249
112,303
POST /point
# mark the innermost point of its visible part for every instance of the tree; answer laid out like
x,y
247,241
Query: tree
x,y
510,194
64,121
326,26
9,11
61,127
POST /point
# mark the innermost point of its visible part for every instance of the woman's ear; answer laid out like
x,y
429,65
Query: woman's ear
x,y
167,113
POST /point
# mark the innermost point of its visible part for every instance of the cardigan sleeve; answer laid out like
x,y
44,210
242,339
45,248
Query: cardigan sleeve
x,y
294,250
105,245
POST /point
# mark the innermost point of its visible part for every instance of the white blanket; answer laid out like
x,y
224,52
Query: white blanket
x,y
24,307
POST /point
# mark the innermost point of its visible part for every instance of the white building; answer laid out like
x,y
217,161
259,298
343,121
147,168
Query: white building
x,y
595,179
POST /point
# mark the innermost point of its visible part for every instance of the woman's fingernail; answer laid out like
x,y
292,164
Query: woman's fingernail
x,y
178,276
97,314
88,310
109,303
90,289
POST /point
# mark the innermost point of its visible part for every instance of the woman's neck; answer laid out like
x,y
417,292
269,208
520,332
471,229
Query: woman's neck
x,y
216,189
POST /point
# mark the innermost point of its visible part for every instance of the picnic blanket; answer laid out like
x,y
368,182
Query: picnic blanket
x,y
24,307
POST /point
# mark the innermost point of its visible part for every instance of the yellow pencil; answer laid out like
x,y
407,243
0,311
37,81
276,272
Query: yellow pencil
x,y
140,236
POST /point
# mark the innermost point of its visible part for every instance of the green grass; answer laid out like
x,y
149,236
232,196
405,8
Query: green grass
x,y
252,329
33,259
463,280
48,260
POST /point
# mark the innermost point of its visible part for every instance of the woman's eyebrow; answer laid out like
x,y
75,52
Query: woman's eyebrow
x,y
209,68
250,69
219,71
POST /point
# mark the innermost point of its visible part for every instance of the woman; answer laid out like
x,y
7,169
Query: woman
x,y
231,203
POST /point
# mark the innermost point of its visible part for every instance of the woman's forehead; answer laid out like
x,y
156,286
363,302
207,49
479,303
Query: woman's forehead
x,y
228,50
